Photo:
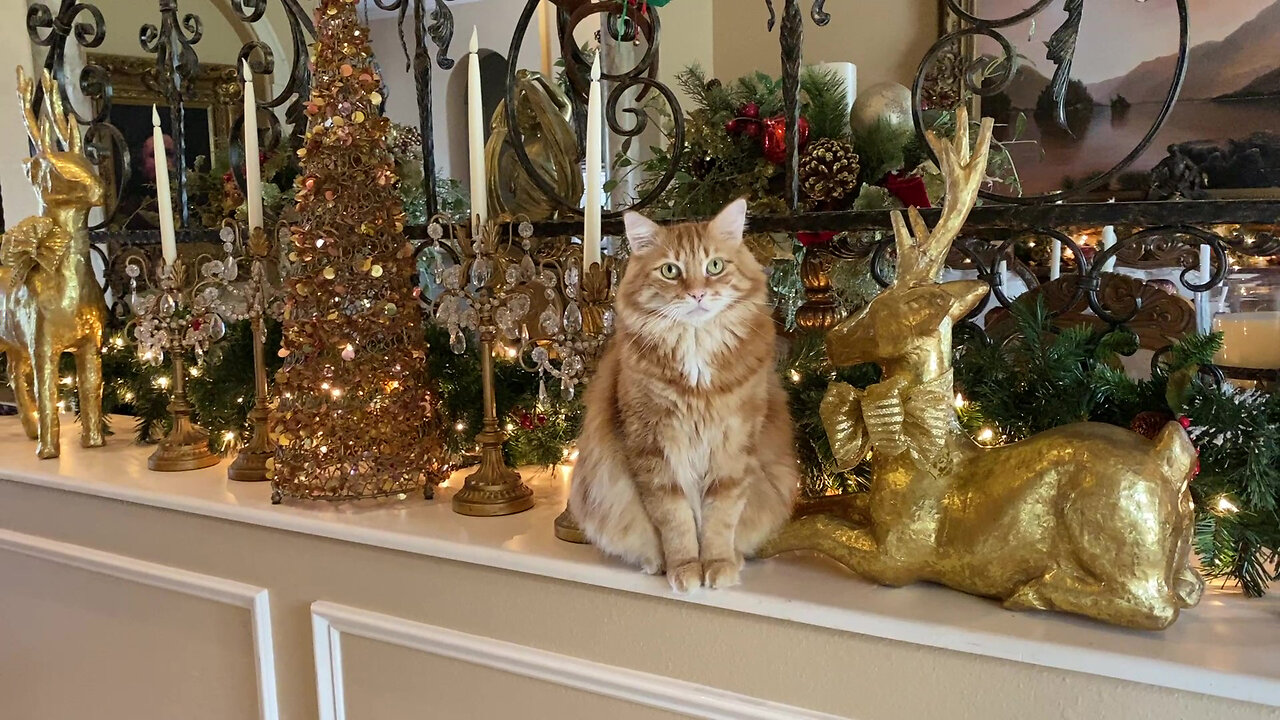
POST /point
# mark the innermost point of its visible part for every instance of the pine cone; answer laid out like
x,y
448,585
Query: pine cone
x,y
829,170
1149,423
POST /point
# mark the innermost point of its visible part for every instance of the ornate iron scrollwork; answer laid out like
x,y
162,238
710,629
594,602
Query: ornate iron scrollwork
x,y
173,43
440,31
261,60
642,75
101,140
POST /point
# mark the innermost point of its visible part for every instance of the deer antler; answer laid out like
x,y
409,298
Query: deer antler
x,y
26,92
920,258
64,125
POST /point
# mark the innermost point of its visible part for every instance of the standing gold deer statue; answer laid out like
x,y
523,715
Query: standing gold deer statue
x,y
50,301
1087,518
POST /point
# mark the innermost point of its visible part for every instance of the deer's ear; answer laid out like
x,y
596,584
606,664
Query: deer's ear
x,y
965,296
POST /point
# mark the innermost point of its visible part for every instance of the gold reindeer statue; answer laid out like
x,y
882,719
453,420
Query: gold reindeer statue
x,y
1087,518
50,301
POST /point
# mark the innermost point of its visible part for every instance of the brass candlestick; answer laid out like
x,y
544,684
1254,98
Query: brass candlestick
x,y
480,293
494,488
254,459
167,323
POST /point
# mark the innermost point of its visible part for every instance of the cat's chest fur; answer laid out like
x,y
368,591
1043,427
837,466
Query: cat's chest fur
x,y
695,351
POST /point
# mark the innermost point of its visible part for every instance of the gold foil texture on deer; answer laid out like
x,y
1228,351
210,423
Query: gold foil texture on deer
x,y
544,116
1086,518
50,301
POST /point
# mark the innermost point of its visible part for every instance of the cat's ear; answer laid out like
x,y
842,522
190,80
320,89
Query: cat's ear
x,y
731,222
642,233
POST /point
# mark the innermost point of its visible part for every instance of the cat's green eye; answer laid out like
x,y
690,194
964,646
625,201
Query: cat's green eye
x,y
670,271
715,266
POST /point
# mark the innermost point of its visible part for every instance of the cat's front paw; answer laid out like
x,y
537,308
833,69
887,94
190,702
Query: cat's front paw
x,y
685,577
722,573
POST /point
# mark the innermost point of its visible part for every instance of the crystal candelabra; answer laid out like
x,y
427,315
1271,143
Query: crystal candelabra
x,y
252,301
574,325
173,320
481,293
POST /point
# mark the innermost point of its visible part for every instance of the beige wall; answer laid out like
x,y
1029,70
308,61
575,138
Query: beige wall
x,y
845,674
886,39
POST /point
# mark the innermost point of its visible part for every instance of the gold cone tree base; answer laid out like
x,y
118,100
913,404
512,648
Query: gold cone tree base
x,y
567,529
494,489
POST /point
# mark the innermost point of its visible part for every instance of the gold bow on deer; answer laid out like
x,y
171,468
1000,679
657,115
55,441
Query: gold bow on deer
x,y
891,417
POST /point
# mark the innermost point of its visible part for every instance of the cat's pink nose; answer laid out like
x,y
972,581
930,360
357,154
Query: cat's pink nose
x,y
697,295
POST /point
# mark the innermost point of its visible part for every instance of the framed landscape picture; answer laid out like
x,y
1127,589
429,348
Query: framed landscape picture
x,y
1226,122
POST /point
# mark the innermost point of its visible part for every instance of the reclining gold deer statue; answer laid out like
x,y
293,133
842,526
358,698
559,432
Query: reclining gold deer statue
x,y
50,301
1087,518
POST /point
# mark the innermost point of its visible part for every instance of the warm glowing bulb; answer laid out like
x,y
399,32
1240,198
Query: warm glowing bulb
x,y
460,426
960,401
66,380
986,435
510,427
795,376
1225,505
162,382
336,392
324,386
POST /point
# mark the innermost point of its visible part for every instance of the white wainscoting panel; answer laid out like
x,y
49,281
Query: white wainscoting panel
x,y
330,621
217,589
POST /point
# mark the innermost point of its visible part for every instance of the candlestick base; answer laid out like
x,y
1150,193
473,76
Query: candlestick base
x,y
186,447
567,529
255,458
493,489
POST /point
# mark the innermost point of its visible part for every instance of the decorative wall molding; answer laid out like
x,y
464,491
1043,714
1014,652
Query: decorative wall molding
x,y
209,587
329,621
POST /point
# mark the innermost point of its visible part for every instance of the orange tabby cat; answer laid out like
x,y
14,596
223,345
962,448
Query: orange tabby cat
x,y
686,460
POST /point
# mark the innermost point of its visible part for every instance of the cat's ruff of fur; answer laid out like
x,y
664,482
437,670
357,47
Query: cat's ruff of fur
x,y
686,459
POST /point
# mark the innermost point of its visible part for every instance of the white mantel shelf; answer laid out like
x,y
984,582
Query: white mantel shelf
x,y
1228,647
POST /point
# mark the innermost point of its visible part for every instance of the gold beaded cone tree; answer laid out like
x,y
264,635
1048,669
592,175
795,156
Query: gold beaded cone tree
x,y
353,415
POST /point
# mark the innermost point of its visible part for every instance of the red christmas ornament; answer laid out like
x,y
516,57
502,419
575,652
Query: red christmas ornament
x,y
774,138
526,420
908,188
810,238
1185,422
750,110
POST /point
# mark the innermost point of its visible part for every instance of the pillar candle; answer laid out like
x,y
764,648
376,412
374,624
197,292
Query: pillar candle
x,y
594,180
252,163
475,137
164,203
848,74
1055,260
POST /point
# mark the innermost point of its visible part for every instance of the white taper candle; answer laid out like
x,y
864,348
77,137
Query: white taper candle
x,y
594,180
252,163
1055,260
1204,314
1108,240
475,137
164,203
